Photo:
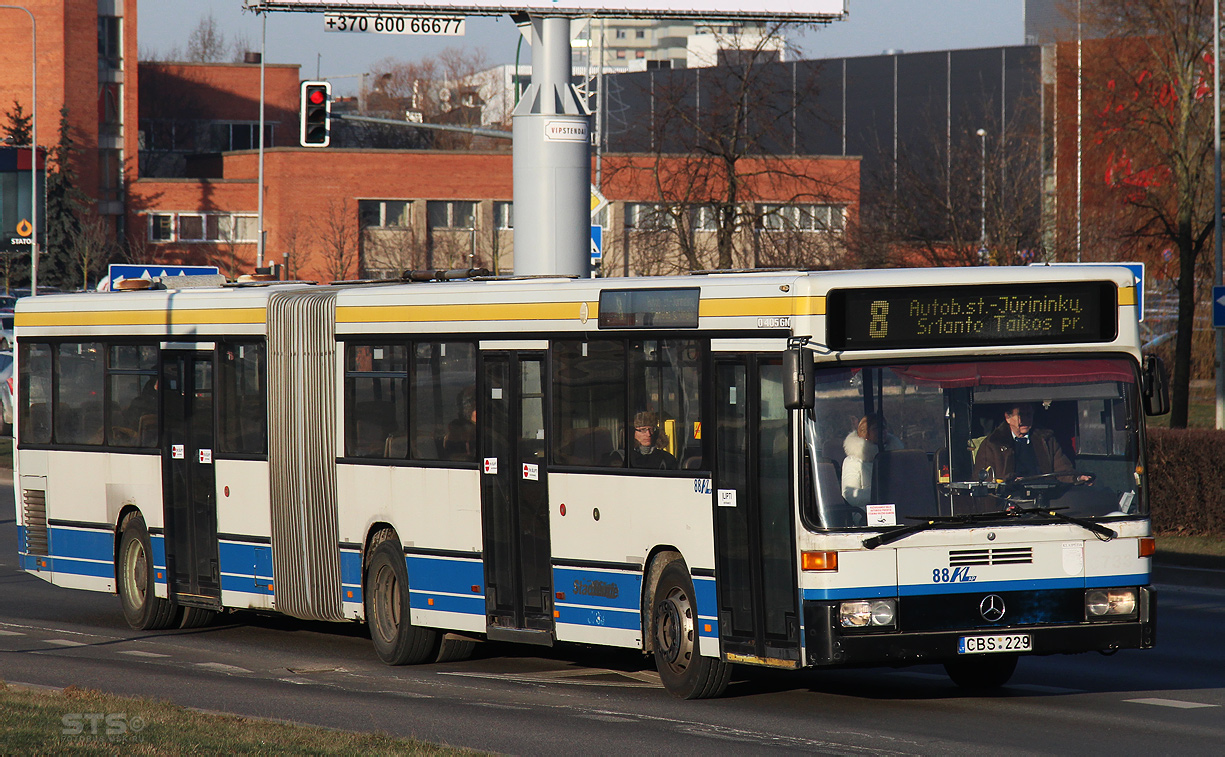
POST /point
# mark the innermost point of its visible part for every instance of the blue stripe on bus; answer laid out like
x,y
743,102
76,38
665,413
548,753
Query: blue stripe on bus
x,y
350,575
589,587
81,544
854,592
1101,582
599,617
708,605
448,582
75,567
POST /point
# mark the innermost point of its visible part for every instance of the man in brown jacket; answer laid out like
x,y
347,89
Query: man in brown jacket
x,y
1015,449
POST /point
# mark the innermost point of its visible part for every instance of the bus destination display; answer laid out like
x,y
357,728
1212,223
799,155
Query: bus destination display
x,y
962,316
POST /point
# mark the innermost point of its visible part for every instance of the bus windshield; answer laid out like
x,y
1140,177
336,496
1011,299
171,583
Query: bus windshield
x,y
889,445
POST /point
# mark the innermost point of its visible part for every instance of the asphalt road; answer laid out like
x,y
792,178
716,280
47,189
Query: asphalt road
x,y
526,700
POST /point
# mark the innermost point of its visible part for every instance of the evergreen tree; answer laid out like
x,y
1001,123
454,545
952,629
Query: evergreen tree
x,y
65,205
17,131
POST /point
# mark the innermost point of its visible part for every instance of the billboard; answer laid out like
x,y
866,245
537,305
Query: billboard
x,y
771,10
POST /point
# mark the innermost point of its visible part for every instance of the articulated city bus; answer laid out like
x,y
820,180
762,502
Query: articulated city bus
x,y
783,469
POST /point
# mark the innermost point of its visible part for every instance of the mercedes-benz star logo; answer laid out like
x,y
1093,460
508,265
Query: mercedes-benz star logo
x,y
992,607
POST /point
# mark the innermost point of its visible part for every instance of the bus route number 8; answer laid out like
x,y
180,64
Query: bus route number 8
x,y
878,325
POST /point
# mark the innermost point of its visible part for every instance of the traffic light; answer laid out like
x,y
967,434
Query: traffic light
x,y
316,119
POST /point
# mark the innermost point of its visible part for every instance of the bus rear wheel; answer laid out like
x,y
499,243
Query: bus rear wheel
x,y
981,671
684,671
142,608
396,640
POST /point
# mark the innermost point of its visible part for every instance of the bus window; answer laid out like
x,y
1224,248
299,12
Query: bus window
x,y
589,401
133,398
242,399
664,380
80,384
376,399
442,419
34,386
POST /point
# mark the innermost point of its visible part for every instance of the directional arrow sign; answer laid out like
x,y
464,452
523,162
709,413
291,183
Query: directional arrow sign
x,y
1218,307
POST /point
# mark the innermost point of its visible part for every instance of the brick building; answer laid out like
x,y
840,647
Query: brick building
x,y
169,160
86,55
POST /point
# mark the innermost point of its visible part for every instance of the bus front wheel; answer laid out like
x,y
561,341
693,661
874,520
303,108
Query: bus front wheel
x,y
142,608
685,673
396,640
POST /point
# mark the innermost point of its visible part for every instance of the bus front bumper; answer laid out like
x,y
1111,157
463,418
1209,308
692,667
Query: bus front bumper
x,y
828,645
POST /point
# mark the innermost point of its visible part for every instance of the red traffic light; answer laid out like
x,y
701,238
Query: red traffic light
x,y
316,96
316,114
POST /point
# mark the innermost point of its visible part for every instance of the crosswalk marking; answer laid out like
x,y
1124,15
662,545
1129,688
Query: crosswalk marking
x,y
1177,703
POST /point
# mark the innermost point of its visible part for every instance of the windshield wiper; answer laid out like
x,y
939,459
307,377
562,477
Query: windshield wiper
x,y
932,521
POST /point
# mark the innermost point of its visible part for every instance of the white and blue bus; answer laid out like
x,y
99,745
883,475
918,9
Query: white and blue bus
x,y
784,469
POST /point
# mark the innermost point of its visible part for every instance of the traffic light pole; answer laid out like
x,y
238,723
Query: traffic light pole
x,y
552,161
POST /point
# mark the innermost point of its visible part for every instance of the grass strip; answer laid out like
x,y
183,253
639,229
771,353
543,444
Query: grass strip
x,y
85,722
1203,546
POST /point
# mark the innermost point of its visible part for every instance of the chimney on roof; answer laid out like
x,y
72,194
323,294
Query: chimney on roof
x,y
252,58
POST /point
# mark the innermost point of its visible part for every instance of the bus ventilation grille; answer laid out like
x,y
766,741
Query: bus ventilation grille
x,y
34,515
991,556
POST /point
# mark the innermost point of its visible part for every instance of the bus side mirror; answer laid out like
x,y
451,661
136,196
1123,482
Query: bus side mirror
x,y
1155,386
799,390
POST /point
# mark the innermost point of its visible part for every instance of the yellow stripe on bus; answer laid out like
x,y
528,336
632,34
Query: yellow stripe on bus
x,y
1127,295
540,311
141,317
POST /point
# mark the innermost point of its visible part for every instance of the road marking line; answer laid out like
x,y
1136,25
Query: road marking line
x,y
65,642
221,667
140,653
1171,703
10,633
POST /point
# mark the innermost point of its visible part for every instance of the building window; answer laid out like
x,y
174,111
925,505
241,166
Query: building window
x,y
620,55
646,216
640,54
384,214
640,34
161,227
801,217
110,42
225,136
203,227
504,215
705,218
451,214
620,34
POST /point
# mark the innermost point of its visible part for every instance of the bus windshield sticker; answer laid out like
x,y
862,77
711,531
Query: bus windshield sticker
x,y
491,465
531,472
649,308
882,515
727,498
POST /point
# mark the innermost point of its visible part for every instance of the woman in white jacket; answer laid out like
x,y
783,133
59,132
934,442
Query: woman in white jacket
x,y
861,446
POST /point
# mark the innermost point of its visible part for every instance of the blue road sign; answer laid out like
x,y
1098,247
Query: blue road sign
x,y
597,243
1218,307
129,271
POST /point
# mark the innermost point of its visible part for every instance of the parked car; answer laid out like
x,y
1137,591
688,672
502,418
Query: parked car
x,y
6,330
6,390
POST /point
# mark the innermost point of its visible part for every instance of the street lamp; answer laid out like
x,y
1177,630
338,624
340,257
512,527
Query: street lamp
x,y
982,191
33,149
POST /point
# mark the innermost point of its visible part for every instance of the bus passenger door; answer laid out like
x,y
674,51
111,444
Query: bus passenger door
x,y
188,482
514,497
754,528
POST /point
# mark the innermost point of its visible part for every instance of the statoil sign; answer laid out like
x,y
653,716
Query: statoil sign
x,y
782,10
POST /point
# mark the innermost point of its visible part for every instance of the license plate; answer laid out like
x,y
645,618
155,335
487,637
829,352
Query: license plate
x,y
1014,642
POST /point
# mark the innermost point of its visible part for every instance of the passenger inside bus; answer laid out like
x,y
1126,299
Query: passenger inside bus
x,y
861,447
647,449
459,443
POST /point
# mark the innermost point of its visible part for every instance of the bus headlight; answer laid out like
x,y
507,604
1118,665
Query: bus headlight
x,y
865,613
1100,603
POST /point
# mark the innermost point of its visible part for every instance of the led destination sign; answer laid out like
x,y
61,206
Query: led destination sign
x,y
963,316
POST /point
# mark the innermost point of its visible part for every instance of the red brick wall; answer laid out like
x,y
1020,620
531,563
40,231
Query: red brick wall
x,y
223,92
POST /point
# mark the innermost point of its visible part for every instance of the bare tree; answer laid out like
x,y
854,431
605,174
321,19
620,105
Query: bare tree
x,y
967,197
206,43
1153,108
335,232
90,247
721,141
388,252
